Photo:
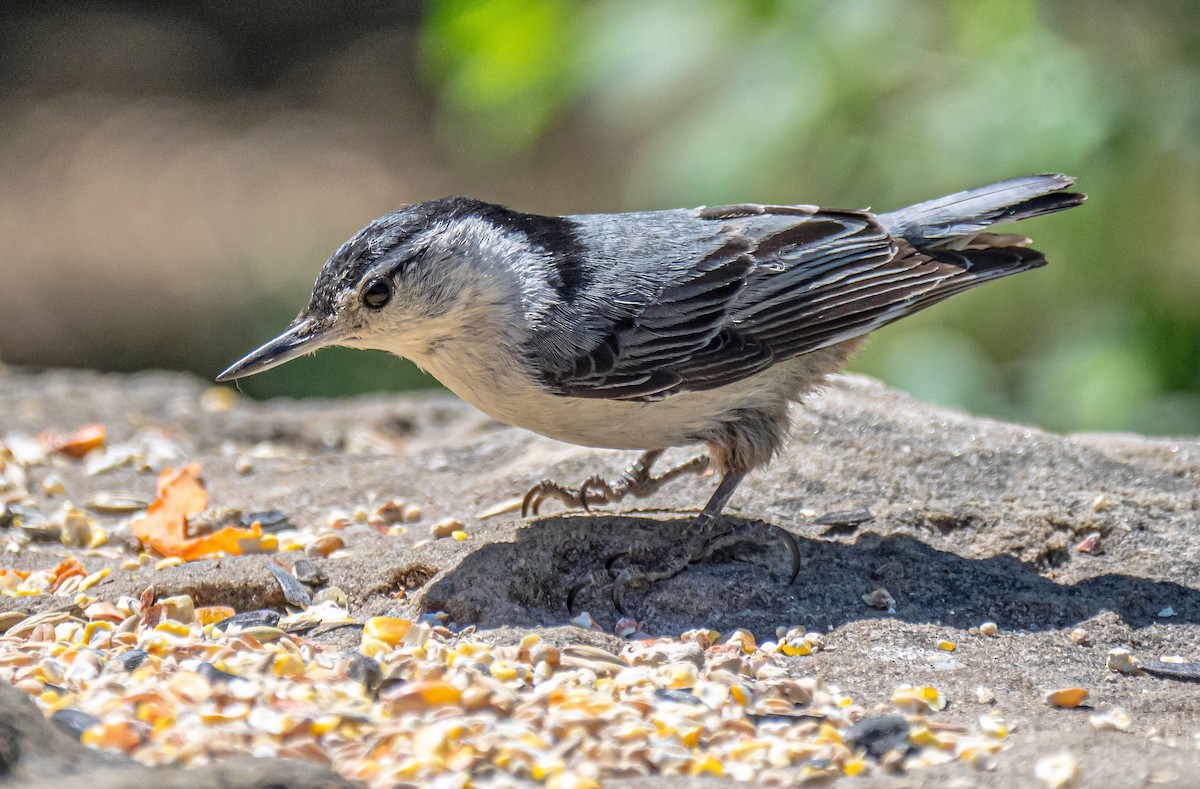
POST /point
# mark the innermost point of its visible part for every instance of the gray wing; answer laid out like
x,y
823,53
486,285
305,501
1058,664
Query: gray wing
x,y
768,291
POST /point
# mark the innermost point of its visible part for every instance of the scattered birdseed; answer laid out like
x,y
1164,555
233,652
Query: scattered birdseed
x,y
1115,719
1122,662
1091,544
1066,697
1057,771
445,528
945,646
325,545
501,508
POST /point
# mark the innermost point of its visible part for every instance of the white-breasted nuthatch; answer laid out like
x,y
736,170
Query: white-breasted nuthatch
x,y
653,329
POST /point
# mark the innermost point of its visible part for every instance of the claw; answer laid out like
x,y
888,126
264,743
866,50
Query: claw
x,y
530,502
618,591
789,540
576,590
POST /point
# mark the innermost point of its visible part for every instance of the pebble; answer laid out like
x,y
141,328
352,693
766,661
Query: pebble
x,y
309,572
1079,636
989,629
879,735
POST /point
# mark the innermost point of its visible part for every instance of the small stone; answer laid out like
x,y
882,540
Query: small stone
x,y
243,466
308,572
261,616
1167,612
365,670
325,545
1079,636
445,528
989,629
880,598
880,735
1066,697
984,695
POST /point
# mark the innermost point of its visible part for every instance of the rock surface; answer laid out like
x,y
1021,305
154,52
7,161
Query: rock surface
x,y
969,520
34,754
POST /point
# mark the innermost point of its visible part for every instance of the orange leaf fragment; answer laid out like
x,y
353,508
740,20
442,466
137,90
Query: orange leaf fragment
x,y
181,495
67,568
79,442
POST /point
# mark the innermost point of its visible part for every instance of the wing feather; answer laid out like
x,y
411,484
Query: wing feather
x,y
781,281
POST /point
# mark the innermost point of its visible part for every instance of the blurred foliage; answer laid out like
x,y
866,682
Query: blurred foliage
x,y
187,166
726,101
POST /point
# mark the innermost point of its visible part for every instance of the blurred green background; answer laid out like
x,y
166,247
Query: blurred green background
x,y
173,174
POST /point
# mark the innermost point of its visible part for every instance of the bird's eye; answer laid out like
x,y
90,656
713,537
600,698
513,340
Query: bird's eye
x,y
377,293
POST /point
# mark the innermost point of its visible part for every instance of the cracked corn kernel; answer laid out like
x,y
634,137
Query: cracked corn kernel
x,y
706,764
945,646
459,535
922,698
1066,697
386,629
1115,719
119,736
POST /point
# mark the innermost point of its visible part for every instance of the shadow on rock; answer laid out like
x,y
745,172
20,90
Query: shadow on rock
x,y
525,582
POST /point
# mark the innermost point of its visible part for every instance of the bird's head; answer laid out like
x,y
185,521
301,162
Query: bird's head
x,y
411,281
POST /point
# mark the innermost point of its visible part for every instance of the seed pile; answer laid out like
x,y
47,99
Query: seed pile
x,y
166,682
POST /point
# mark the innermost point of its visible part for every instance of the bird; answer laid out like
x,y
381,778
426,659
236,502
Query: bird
x,y
653,329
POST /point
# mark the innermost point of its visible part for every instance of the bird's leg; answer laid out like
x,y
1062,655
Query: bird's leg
x,y
636,481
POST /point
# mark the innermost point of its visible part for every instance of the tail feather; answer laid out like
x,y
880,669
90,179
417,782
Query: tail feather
x,y
957,220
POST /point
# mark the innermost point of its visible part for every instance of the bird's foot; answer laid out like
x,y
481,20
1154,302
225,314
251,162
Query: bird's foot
x,y
634,570
637,481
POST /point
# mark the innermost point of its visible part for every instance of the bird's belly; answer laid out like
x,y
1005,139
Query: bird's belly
x,y
613,424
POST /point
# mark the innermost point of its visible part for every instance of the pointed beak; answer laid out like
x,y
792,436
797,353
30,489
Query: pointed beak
x,y
304,336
